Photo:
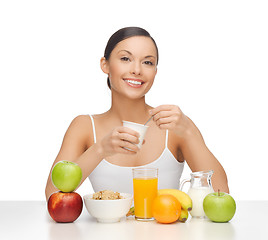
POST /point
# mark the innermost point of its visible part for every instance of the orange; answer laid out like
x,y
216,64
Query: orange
x,y
166,208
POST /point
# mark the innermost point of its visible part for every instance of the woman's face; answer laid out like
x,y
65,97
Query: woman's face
x,y
132,66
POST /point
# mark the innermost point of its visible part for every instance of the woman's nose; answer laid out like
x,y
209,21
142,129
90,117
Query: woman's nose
x,y
136,68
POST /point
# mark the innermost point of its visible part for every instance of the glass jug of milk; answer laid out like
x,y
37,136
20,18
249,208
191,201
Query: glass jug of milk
x,y
200,186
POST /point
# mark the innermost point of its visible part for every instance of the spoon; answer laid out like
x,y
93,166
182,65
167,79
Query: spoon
x,y
148,120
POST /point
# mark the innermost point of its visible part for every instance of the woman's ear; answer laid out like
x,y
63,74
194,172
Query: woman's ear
x,y
104,65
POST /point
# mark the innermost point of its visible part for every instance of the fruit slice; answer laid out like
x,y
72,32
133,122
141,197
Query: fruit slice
x,y
131,212
184,199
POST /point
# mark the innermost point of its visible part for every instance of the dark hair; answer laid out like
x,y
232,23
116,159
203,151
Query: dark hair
x,y
121,35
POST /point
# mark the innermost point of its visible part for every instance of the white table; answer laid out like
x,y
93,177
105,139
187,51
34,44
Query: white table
x,y
30,220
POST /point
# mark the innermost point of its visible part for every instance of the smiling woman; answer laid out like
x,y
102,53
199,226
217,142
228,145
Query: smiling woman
x,y
134,61
107,151
122,34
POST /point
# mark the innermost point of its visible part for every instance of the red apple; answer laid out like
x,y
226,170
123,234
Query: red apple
x,y
65,207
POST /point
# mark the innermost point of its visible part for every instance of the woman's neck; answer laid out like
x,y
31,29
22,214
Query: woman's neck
x,y
134,110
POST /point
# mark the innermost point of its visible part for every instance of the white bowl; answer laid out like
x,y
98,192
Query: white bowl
x,y
108,211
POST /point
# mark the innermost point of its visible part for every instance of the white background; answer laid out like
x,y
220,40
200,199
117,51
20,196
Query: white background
x,y
213,64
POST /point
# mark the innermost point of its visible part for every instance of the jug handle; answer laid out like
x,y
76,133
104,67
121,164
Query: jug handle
x,y
183,182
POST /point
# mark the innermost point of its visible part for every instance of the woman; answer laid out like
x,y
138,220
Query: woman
x,y
106,151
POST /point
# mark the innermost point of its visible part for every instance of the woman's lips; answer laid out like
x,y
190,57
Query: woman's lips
x,y
132,82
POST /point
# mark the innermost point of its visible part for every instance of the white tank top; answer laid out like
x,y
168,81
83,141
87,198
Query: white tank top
x,y
108,176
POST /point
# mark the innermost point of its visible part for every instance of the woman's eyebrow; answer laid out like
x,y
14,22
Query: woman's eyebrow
x,y
149,56
125,51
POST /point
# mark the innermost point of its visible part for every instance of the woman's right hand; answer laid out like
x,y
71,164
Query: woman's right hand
x,y
120,140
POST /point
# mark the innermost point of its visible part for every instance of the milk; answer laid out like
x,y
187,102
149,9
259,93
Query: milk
x,y
197,195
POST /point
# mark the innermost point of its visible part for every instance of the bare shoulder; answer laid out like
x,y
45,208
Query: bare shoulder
x,y
81,128
81,120
81,123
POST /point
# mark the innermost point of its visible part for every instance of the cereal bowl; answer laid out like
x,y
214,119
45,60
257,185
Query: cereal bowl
x,y
108,211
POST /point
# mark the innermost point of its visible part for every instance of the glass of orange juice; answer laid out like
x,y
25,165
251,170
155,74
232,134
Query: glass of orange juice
x,y
145,182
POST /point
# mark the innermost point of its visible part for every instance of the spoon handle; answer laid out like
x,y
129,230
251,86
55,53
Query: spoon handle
x,y
148,120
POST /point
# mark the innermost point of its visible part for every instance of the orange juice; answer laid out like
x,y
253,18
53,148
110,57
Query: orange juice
x,y
145,191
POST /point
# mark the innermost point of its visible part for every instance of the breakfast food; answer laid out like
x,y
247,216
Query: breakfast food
x,y
65,207
106,195
219,206
66,176
131,212
183,198
166,208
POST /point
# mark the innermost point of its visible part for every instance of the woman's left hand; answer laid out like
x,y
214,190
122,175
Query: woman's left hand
x,y
172,118
193,147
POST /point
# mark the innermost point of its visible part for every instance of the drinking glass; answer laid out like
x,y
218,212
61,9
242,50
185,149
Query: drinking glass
x,y
145,182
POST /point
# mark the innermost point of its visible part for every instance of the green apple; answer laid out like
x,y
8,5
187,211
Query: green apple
x,y
219,206
66,176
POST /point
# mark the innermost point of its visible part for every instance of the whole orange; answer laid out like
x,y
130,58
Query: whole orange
x,y
166,208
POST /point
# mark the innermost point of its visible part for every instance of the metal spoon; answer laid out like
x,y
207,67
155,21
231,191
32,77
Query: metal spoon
x,y
148,120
